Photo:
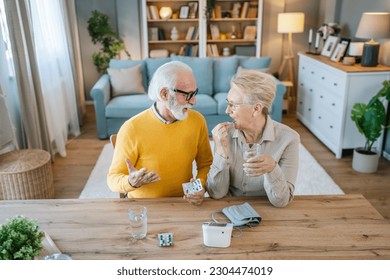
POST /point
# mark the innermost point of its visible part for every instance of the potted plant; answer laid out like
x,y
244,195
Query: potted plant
x,y
370,120
20,239
101,32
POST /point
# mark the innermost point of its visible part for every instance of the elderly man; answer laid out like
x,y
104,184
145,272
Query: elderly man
x,y
155,149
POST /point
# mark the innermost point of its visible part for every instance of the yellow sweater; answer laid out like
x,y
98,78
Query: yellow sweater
x,y
167,149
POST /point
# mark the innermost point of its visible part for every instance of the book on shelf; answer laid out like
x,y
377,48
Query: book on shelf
x,y
161,35
193,9
250,32
214,30
190,32
154,12
212,50
252,10
148,16
153,33
244,10
218,11
195,34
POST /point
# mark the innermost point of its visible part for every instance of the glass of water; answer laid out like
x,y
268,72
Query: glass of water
x,y
138,218
251,150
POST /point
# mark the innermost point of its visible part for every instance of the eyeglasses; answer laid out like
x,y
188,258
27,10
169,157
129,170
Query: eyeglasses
x,y
234,106
188,95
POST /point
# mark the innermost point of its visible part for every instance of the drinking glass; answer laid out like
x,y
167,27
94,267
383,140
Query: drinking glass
x,y
251,151
138,218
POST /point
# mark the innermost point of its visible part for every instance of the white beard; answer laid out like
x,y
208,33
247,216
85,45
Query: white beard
x,y
176,109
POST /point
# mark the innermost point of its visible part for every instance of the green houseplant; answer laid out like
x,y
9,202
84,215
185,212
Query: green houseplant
x,y
370,120
111,45
20,239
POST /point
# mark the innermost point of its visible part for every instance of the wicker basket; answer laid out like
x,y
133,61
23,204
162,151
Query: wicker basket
x,y
26,174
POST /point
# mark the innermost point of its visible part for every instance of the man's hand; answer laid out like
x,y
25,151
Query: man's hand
x,y
137,178
195,198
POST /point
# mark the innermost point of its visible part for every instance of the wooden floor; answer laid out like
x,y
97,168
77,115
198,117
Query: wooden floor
x,y
71,173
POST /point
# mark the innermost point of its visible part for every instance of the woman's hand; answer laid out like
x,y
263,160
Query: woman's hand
x,y
259,165
221,139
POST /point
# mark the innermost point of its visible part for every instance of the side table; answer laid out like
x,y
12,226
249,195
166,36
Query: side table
x,y
26,174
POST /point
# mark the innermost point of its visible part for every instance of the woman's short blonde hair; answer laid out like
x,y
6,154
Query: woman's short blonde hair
x,y
256,86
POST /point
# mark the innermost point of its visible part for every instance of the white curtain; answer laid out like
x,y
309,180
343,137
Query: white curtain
x,y
54,65
44,55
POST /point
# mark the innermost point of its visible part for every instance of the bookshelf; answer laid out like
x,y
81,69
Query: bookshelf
x,y
193,28
239,27
157,32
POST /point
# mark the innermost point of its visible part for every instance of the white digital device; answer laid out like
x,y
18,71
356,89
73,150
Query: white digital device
x,y
217,234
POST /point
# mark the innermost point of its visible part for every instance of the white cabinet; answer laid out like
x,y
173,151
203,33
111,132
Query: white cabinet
x,y
327,92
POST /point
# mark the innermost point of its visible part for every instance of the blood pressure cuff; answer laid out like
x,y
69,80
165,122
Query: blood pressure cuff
x,y
241,215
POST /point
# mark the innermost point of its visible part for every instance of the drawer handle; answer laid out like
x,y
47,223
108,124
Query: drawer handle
x,y
303,67
311,90
331,126
300,102
335,84
333,104
321,96
312,72
319,117
309,109
322,78
301,84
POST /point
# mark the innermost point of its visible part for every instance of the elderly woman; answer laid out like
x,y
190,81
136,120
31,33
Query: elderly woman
x,y
271,171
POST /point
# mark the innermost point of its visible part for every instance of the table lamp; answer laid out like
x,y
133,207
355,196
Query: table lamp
x,y
372,25
290,23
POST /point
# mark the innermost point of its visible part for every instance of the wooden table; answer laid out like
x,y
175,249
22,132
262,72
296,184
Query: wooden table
x,y
311,227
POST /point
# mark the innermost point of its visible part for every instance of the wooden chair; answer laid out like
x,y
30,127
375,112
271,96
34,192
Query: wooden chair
x,y
113,142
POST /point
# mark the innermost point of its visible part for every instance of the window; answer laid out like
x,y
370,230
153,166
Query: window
x,y
4,37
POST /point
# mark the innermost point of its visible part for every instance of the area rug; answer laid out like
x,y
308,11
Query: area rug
x,y
312,178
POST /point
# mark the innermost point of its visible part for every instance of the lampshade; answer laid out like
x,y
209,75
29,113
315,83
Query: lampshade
x,y
291,22
374,26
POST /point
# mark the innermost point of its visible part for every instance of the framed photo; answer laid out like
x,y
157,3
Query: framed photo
x,y
184,10
193,9
345,41
339,52
330,45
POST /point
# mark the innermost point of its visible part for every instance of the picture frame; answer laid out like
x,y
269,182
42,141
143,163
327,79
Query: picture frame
x,y
329,46
184,10
193,9
338,52
345,41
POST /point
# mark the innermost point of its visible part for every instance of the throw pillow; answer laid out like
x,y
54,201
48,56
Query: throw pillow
x,y
126,80
242,69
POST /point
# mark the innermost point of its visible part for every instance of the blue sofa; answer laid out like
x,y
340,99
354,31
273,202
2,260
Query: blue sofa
x,y
212,75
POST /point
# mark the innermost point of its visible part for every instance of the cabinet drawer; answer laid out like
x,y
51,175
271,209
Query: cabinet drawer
x,y
329,101
327,125
321,77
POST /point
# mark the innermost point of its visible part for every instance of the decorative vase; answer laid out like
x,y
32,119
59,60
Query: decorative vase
x,y
174,34
365,162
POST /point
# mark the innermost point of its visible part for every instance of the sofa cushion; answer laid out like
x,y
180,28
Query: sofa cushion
x,y
203,71
126,80
127,106
126,63
224,69
242,69
220,98
152,64
253,62
205,104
